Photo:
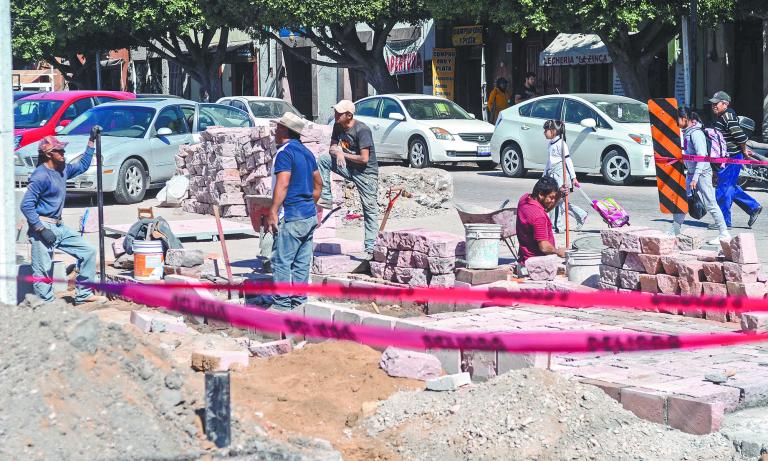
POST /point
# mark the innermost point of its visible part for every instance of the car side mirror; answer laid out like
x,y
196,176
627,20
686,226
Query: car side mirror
x,y
472,115
589,123
396,116
164,132
59,129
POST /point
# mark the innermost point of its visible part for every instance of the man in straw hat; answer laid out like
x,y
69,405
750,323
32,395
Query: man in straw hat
x,y
296,186
42,205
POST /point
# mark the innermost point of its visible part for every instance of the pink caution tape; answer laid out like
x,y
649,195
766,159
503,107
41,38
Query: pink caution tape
x,y
699,158
187,302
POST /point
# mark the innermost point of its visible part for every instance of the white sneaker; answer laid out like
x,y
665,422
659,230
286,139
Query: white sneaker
x,y
714,241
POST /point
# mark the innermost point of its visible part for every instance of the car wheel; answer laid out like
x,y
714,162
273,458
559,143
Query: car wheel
x,y
418,153
487,166
616,169
512,161
131,182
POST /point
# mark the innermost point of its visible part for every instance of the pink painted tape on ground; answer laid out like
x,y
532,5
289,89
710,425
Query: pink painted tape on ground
x,y
255,318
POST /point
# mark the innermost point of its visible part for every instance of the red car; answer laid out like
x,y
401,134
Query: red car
x,y
37,116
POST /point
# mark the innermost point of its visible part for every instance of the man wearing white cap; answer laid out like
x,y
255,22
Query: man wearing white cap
x,y
353,156
293,215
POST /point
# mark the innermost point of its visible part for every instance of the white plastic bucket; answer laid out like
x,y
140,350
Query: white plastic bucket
x,y
147,259
583,266
482,245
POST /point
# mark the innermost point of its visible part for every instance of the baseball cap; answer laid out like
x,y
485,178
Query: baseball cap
x,y
345,105
50,144
720,96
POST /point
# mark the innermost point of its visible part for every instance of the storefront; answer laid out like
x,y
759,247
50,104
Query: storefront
x,y
584,63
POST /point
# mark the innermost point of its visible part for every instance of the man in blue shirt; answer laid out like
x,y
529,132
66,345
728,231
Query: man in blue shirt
x,y
42,205
293,215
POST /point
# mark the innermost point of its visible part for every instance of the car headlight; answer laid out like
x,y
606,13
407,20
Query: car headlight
x,y
16,141
639,138
441,133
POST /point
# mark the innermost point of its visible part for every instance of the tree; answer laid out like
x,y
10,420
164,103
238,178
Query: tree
x,y
332,28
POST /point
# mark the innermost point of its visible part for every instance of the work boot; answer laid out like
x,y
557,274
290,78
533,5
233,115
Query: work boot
x,y
753,216
714,226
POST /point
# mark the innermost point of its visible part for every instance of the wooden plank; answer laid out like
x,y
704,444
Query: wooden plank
x,y
201,229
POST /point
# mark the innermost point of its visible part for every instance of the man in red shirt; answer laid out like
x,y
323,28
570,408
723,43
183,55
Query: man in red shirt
x,y
534,229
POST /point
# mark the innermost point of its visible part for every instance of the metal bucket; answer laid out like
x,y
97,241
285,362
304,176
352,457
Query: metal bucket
x,y
482,245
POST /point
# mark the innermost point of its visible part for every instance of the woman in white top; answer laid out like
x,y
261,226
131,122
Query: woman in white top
x,y
554,130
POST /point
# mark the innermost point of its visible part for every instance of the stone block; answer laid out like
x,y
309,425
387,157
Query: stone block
x,y
411,276
609,275
481,365
338,264
630,241
542,267
753,387
612,257
690,288
716,316
651,264
713,272
754,322
694,416
445,245
407,258
750,290
158,322
746,273
442,280
184,257
705,255
507,361
691,270
744,249
442,265
337,246
645,403
725,246
380,253
117,247
648,283
687,242
669,263
349,316
658,244
271,348
377,270
714,289
482,276
629,280
633,263
606,287
612,389
213,360
668,284
449,382
403,363
450,359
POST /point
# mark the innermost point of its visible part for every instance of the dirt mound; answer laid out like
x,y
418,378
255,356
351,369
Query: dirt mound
x,y
74,387
534,414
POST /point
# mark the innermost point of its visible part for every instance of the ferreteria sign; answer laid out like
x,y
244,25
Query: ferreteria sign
x,y
467,35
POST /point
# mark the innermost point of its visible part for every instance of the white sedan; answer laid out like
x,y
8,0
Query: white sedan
x,y
424,130
606,134
260,106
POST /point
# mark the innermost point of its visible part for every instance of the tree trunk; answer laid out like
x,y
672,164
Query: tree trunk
x,y
207,76
377,74
632,70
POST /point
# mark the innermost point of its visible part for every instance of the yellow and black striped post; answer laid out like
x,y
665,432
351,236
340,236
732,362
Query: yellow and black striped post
x,y
670,175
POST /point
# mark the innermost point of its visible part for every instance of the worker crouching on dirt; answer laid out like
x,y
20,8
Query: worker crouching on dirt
x,y
293,215
534,228
353,156
42,205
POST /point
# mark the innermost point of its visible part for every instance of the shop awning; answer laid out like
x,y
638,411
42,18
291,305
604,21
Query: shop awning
x,y
574,50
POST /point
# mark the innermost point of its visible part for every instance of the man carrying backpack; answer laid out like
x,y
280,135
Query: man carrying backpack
x,y
728,190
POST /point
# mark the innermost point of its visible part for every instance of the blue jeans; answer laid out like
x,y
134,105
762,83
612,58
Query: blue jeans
x,y
291,258
367,186
728,191
71,243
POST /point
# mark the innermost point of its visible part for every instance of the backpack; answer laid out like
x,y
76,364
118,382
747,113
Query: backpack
x,y
716,146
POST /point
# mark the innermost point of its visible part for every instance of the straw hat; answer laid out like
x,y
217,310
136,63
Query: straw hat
x,y
292,121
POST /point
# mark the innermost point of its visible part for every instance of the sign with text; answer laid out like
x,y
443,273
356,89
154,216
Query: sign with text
x,y
467,35
443,72
403,62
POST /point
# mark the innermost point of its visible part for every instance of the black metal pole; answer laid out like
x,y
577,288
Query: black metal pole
x,y
217,408
100,204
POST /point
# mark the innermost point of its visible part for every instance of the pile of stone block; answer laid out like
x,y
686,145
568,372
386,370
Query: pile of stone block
x,y
417,257
228,164
642,259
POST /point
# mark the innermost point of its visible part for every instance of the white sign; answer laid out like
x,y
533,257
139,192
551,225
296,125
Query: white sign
x,y
618,90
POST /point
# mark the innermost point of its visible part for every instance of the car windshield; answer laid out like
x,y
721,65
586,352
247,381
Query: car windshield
x,y
434,109
128,122
34,113
270,109
624,112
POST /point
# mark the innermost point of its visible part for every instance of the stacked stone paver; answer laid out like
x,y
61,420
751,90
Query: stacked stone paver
x,y
642,259
417,257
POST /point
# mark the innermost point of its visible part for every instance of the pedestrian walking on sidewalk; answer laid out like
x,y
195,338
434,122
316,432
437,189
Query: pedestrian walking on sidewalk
x,y
497,100
353,156
527,90
699,175
728,190
554,131
293,215
42,206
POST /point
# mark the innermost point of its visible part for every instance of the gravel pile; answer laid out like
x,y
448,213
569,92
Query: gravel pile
x,y
531,414
431,190
73,387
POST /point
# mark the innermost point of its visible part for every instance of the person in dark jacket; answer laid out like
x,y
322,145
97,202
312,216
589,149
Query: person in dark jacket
x,y
42,205
728,190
